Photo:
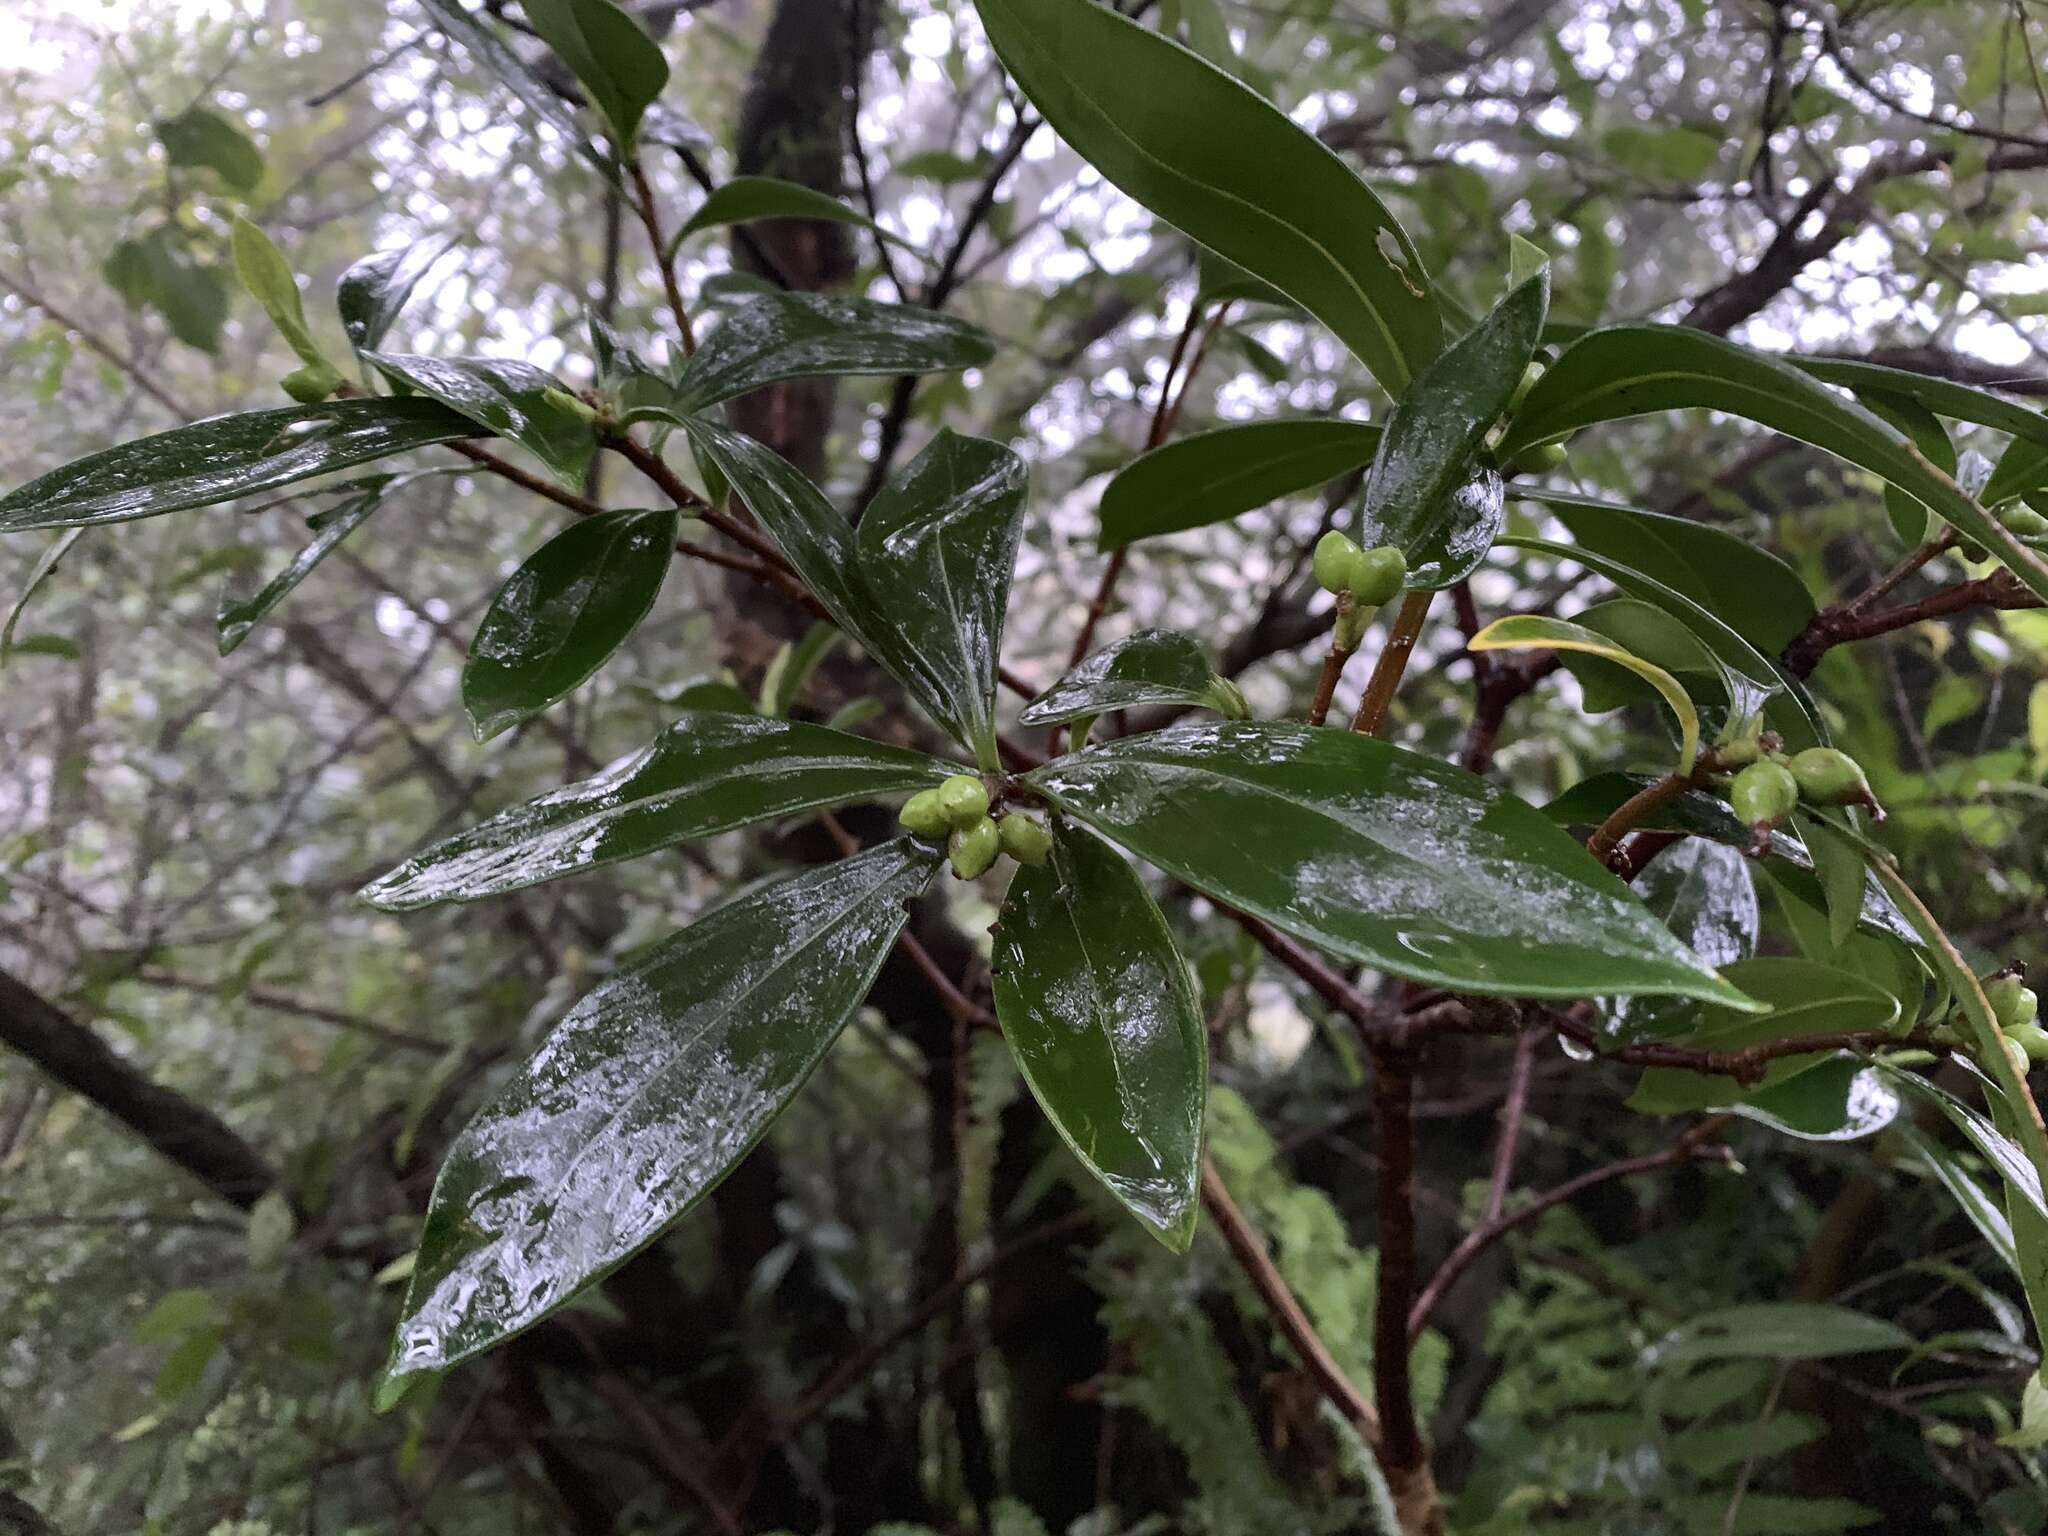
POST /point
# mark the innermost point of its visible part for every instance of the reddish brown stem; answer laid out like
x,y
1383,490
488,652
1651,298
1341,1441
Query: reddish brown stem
x,y
1512,1105
650,220
1385,681
1333,667
1402,1454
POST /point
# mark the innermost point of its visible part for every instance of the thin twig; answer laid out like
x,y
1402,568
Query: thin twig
x,y
1512,1105
1385,681
650,220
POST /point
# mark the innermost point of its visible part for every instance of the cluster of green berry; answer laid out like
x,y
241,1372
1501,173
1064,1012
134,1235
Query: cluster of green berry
x,y
957,811
2020,520
1766,792
1369,577
2015,1007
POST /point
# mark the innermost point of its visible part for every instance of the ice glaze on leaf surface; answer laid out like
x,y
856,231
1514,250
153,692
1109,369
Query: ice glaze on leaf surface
x,y
1702,891
1425,495
711,771
1637,369
1227,168
1096,1005
1151,667
936,547
1379,856
563,612
228,457
510,398
776,336
647,1094
1213,476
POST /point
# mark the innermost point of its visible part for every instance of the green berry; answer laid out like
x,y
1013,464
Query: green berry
x,y
2031,1038
2012,1001
1025,840
1530,375
1544,456
1763,793
923,814
1377,574
2015,1053
2023,521
971,849
311,384
1336,553
964,799
1828,777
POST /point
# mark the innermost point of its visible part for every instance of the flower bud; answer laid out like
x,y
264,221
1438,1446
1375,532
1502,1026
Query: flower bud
x,y
973,848
1227,699
1335,555
1025,840
561,399
311,384
923,814
2032,1039
964,799
1535,461
1828,777
2012,1001
1763,793
1377,574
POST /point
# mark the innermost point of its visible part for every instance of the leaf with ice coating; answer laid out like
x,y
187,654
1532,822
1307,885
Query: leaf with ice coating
x,y
1097,1008
645,1096
1379,856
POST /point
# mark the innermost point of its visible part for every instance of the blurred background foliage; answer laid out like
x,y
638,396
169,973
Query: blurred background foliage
x,y
181,834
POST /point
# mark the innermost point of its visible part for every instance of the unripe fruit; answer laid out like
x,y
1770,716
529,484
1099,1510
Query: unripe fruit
x,y
2032,1039
1534,461
1530,375
1025,840
1377,574
1828,777
923,814
311,384
964,798
972,849
2015,1053
1762,793
2012,1001
1336,553
2023,522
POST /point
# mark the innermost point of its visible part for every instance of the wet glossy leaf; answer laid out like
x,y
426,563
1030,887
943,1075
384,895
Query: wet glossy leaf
x,y
1838,864
272,283
1805,998
563,612
238,616
1844,1098
1908,512
618,63
1985,1213
776,336
1425,494
1213,476
1654,636
1533,631
374,290
482,42
38,573
201,138
1785,1330
1097,1007
711,771
1380,856
1702,892
1227,168
1943,397
1750,589
1152,667
512,399
936,549
1633,370
227,457
645,1096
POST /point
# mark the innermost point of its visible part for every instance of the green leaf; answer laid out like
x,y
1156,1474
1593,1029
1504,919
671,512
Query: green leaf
x,y
1841,1099
783,683
744,199
154,272
2022,468
1975,1202
711,771
1634,370
329,527
175,1314
185,1364
645,1096
1425,494
2005,1155
618,63
1783,1330
1805,999
1227,168
481,41
373,291
512,399
1908,513
1525,631
563,612
1653,635
777,336
1212,476
272,283
1096,1006
1702,891
204,139
39,573
937,546
1838,863
1379,856
1748,588
227,457
1675,153
1152,667
1942,397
